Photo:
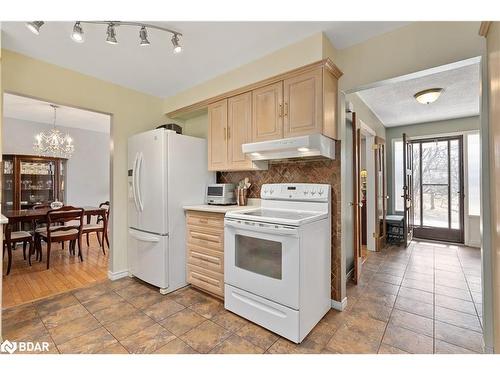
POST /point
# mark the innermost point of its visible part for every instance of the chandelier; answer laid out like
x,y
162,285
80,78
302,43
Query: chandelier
x,y
52,142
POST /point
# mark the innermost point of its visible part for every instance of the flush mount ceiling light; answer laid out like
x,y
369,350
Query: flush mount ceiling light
x,y
428,96
77,34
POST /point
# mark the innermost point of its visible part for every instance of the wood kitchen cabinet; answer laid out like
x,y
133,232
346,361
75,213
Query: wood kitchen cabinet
x,y
205,251
230,126
267,112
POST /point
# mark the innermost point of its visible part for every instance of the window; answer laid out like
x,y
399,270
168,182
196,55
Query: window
x,y
474,173
398,176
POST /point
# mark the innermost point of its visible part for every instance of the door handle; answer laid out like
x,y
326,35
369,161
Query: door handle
x,y
139,169
134,187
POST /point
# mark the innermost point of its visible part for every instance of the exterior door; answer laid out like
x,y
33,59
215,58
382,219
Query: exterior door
x,y
356,201
239,129
302,112
217,136
267,112
407,190
438,189
380,194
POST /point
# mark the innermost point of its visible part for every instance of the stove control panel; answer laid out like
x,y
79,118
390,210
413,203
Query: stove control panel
x,y
297,192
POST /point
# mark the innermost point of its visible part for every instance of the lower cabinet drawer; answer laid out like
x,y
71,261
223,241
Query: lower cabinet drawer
x,y
210,281
205,258
205,236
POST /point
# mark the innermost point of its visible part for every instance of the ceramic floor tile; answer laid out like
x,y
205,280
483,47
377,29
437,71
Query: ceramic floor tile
x,y
229,320
19,314
182,321
91,342
206,336
176,346
189,296
426,286
412,322
102,301
64,315
417,295
257,335
52,304
459,336
114,312
371,309
129,325
442,347
350,341
453,292
387,349
24,330
144,300
163,309
455,304
86,294
458,318
148,340
208,308
407,340
415,307
116,348
395,280
74,328
236,345
131,291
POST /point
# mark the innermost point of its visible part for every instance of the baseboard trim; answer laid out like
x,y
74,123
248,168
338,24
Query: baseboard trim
x,y
117,275
340,306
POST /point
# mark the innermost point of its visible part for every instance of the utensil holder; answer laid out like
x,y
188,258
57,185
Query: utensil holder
x,y
241,197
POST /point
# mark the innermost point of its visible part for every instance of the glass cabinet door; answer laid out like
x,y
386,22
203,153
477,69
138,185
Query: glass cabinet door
x,y
62,181
7,183
37,179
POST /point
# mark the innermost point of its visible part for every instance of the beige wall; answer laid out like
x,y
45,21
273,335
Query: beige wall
x,y
365,114
494,129
131,112
196,126
290,57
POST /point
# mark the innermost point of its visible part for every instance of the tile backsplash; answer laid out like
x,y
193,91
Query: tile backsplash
x,y
315,171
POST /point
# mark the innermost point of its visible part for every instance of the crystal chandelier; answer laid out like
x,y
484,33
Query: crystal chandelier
x,y
52,142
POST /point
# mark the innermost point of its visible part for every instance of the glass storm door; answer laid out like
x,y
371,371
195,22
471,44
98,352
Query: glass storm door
x,y
438,189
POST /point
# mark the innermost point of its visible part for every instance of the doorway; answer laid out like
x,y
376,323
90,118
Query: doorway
x,y
438,189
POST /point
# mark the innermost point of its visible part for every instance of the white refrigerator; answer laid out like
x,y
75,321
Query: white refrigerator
x,y
166,171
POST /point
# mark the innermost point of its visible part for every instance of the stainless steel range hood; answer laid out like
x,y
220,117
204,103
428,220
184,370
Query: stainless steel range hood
x,y
316,145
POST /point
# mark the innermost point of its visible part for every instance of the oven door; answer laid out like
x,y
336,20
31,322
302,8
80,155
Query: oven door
x,y
263,259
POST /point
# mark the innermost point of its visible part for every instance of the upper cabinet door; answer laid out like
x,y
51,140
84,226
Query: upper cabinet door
x,y
267,112
217,136
303,107
239,129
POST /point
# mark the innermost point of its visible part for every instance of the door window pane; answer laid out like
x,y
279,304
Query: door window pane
x,y
455,189
398,176
416,184
259,256
474,173
435,206
435,162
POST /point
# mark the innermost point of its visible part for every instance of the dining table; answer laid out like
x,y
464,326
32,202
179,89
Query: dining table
x,y
30,215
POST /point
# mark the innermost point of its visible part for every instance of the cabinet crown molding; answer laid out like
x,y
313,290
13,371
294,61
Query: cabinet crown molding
x,y
324,63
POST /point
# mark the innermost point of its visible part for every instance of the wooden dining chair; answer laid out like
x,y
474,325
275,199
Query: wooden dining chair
x,y
71,231
10,240
100,227
40,223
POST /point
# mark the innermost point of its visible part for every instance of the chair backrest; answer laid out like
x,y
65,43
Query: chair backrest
x,y
65,214
108,207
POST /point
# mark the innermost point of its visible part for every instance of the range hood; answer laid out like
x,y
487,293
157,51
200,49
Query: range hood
x,y
316,145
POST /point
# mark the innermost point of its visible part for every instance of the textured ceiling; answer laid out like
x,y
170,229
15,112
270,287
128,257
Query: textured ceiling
x,y
22,108
395,105
210,48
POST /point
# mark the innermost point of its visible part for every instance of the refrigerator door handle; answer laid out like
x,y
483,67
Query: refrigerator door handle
x,y
139,169
134,183
141,236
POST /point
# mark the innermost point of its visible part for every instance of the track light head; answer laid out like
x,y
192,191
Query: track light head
x,y
143,34
77,34
175,43
34,26
111,34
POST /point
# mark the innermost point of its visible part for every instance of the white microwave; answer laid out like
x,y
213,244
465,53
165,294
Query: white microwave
x,y
221,194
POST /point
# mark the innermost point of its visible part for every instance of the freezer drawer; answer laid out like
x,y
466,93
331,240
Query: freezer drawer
x,y
148,254
273,316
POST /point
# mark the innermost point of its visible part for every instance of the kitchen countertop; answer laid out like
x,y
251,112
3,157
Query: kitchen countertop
x,y
252,203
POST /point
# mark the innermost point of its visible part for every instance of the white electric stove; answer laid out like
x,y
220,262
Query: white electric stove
x,y
277,259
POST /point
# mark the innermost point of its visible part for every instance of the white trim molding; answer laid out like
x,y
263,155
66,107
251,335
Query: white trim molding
x,y
340,306
117,275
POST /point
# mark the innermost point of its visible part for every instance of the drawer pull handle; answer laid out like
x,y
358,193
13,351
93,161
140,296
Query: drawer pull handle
x,y
205,257
204,279
204,221
205,237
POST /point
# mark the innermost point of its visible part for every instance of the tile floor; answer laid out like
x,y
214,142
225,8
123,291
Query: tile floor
x,y
424,299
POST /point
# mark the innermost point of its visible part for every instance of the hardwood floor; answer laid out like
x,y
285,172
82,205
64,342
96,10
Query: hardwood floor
x,y
66,272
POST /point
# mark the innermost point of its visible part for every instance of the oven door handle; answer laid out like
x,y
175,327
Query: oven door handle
x,y
261,227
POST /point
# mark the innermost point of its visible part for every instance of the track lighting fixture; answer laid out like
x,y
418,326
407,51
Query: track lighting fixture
x,y
34,26
143,35
175,43
78,36
111,34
